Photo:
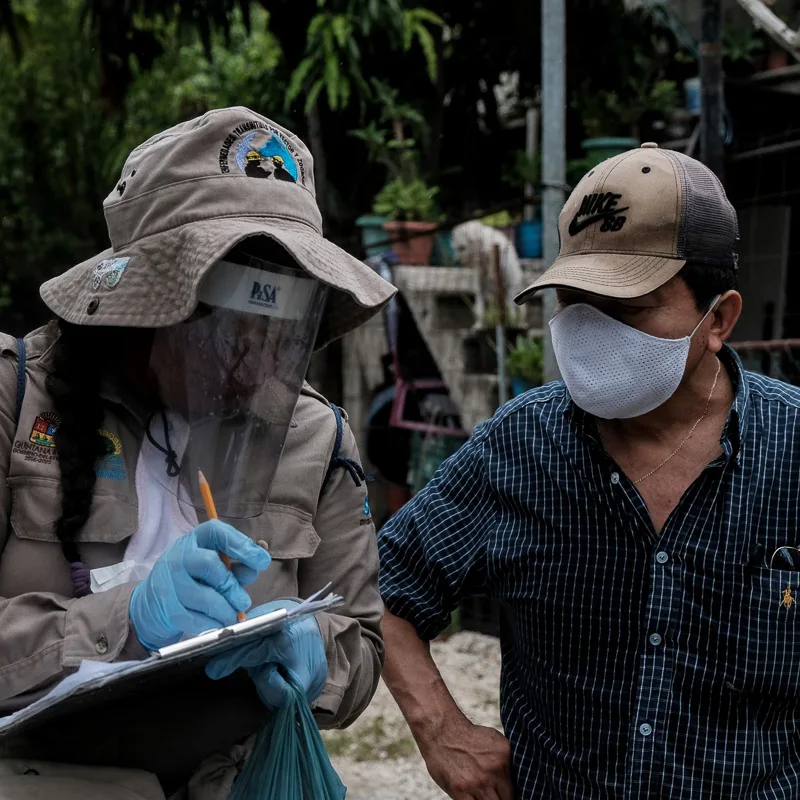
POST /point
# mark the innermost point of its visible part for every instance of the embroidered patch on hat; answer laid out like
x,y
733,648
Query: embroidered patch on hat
x,y
44,428
260,151
109,270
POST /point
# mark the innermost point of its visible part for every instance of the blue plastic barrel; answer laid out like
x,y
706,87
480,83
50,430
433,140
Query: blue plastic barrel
x,y
529,238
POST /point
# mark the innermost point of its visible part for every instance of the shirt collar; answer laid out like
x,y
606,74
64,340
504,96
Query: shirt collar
x,y
736,426
585,425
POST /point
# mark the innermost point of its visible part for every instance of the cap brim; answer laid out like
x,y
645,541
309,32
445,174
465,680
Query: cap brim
x,y
606,274
159,285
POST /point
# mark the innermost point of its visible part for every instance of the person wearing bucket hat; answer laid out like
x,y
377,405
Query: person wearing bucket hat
x,y
636,522
182,347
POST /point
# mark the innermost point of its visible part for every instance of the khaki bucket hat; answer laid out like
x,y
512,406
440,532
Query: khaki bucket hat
x,y
184,199
635,220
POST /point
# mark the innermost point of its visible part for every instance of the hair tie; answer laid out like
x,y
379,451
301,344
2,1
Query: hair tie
x,y
81,579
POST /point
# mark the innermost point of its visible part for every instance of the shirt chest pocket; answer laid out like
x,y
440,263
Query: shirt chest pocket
x,y
765,634
32,558
290,536
36,506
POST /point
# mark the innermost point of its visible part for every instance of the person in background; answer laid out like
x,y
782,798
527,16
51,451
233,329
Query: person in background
x,y
184,347
638,522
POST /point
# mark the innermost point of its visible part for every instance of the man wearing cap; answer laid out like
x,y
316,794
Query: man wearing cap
x,y
637,523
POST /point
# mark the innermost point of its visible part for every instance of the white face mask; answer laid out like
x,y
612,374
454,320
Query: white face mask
x,y
614,371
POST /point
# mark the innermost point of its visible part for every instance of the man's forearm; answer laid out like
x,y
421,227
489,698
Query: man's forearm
x,y
415,682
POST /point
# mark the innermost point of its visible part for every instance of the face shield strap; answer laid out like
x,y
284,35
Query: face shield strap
x,y
173,467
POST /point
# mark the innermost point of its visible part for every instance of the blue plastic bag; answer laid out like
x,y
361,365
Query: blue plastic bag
x,y
289,760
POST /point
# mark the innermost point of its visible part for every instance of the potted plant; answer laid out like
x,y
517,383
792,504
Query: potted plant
x,y
743,50
613,118
777,58
409,207
406,202
524,364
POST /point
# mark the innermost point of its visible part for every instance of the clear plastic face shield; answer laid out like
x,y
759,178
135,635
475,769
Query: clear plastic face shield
x,y
229,379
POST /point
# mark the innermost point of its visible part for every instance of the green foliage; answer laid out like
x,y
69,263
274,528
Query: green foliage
x,y
83,81
412,201
65,149
416,26
741,44
380,739
405,196
526,360
183,82
333,56
619,111
55,136
525,170
500,219
331,45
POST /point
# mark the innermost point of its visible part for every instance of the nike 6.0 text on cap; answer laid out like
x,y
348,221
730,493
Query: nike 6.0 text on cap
x,y
635,220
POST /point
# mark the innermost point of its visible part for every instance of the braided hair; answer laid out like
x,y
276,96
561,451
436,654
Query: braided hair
x,y
80,356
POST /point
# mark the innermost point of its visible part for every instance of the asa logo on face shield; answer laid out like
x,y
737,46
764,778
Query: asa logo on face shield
x,y
264,295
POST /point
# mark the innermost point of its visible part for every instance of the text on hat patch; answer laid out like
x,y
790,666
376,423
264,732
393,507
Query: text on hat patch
x,y
597,207
261,151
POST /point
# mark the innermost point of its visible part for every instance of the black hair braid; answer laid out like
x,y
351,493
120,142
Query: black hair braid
x,y
79,359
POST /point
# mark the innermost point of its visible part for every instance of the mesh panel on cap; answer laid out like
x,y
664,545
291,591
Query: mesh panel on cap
x,y
709,230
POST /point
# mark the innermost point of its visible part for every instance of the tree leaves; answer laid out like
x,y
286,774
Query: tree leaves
x,y
332,51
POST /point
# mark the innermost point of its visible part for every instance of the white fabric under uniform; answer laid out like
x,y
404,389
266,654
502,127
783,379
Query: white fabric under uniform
x,y
162,517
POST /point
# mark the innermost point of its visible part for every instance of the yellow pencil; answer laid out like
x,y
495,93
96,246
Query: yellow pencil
x,y
211,510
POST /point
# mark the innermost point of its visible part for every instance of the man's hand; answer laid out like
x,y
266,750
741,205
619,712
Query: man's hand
x,y
469,762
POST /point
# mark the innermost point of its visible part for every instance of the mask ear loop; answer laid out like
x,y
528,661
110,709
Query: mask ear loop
x,y
703,318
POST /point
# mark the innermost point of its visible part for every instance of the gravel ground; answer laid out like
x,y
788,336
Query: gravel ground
x,y
377,758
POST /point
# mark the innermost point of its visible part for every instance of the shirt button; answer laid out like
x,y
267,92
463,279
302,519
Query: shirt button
x,y
101,645
662,557
655,638
645,729
615,478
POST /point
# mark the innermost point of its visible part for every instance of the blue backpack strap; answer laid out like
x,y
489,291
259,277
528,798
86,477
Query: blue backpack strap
x,y
338,460
22,360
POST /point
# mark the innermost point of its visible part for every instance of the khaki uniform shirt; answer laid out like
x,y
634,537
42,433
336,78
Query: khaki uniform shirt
x,y
314,536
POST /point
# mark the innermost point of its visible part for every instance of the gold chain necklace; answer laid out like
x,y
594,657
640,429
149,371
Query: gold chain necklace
x,y
688,435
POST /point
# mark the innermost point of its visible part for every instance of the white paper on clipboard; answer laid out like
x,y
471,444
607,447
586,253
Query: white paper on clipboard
x,y
100,679
265,623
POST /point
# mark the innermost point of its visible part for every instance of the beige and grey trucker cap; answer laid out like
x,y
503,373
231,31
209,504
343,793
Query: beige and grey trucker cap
x,y
184,199
635,220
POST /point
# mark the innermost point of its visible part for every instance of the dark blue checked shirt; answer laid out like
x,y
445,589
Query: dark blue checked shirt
x,y
635,664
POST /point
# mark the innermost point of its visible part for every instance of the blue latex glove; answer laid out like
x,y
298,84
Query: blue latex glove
x,y
298,649
190,590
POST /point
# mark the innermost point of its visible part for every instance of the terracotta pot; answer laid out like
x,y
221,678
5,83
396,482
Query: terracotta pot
x,y
777,60
414,251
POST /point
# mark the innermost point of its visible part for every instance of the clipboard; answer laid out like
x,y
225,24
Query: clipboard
x,y
98,682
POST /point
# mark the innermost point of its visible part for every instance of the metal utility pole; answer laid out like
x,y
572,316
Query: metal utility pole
x,y
531,149
500,327
712,89
554,115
